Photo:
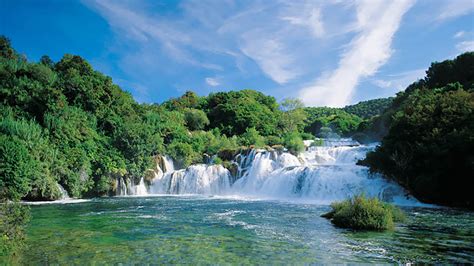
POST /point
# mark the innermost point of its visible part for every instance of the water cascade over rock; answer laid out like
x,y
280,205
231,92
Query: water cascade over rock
x,y
321,173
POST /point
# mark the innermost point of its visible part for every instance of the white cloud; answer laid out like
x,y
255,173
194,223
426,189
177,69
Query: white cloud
x,y
455,8
212,81
377,23
465,46
271,58
312,20
459,34
401,80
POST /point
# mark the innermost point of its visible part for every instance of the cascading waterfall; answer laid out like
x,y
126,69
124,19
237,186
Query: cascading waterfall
x,y
64,195
321,173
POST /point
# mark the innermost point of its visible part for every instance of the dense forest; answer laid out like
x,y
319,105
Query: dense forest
x,y
65,123
429,141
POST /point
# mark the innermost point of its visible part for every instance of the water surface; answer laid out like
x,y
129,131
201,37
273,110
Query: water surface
x,y
192,229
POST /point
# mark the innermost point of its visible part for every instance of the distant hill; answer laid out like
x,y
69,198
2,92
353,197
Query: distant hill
x,y
370,108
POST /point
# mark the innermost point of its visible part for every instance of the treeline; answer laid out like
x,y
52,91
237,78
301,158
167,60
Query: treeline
x,y
428,135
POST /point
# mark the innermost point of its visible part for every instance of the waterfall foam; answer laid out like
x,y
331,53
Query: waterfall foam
x,y
64,195
322,174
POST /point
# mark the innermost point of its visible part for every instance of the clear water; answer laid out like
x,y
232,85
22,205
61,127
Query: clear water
x,y
193,229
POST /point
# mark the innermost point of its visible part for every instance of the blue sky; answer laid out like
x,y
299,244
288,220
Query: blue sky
x,y
325,52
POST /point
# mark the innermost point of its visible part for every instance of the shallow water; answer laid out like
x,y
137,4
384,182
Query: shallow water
x,y
192,229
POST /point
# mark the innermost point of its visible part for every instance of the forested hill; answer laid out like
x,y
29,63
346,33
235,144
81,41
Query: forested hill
x,y
428,143
370,108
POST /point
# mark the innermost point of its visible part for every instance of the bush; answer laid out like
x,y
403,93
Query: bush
x,y
16,168
273,140
13,219
184,153
363,213
252,137
195,119
293,142
307,136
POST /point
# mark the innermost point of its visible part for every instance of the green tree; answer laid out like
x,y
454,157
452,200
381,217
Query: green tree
x,y
293,142
16,168
293,116
252,137
195,119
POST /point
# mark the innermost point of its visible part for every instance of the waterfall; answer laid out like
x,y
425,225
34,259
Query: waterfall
x,y
64,195
321,173
196,179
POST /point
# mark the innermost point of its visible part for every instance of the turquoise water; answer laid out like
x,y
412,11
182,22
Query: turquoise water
x,y
215,230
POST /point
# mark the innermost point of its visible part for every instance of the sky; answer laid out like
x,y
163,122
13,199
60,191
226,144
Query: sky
x,y
327,53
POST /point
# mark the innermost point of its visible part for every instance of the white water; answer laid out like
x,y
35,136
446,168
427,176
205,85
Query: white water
x,y
320,174
64,195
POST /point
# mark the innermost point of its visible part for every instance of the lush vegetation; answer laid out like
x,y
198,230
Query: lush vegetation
x,y
370,108
65,123
429,144
13,219
327,122
362,213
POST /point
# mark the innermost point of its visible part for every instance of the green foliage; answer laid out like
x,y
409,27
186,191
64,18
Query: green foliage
x,y
330,122
370,108
293,116
293,142
252,137
6,49
195,119
307,136
235,111
188,100
183,153
13,219
434,127
273,140
16,168
363,213
427,144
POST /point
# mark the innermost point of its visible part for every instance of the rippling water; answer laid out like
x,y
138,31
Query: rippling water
x,y
216,230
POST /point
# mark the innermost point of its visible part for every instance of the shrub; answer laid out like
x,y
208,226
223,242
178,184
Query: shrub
x,y
307,136
184,153
363,213
13,219
195,119
273,140
252,137
293,142
16,168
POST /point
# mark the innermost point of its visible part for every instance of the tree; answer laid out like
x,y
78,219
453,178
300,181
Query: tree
x,y
46,60
252,137
6,49
16,168
195,119
293,142
293,116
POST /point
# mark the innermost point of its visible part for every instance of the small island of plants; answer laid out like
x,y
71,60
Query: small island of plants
x,y
362,213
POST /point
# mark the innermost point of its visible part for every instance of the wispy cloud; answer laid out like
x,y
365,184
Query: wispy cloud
x,y
399,81
465,46
311,18
370,49
212,81
454,8
322,50
459,34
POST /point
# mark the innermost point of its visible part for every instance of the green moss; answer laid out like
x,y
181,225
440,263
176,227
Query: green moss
x,y
363,213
